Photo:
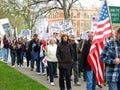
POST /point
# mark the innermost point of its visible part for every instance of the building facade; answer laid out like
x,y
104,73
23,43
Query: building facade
x,y
81,18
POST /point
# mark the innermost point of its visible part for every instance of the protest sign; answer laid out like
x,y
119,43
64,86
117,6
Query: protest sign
x,y
55,27
26,32
6,29
66,26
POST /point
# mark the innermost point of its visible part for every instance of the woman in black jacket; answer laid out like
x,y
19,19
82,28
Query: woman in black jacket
x,y
65,56
13,47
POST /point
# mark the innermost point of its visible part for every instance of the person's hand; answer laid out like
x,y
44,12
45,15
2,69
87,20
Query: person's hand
x,y
116,61
14,46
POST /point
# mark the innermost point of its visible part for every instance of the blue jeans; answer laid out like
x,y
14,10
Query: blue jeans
x,y
38,62
114,85
90,80
6,54
13,55
1,53
52,70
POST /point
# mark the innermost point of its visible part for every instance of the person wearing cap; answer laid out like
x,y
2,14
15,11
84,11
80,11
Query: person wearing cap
x,y
110,55
75,65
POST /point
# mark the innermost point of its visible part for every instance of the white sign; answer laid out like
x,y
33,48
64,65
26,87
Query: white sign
x,y
26,32
46,36
55,27
84,36
6,29
66,26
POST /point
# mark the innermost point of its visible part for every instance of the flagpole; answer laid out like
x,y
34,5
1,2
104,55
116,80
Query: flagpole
x,y
115,46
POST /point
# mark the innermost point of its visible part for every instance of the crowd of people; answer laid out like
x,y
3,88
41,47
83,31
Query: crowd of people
x,y
64,54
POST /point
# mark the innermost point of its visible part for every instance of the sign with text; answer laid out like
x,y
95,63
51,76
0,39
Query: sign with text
x,y
66,26
5,28
26,32
55,27
115,14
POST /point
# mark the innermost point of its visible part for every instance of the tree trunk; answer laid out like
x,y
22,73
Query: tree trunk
x,y
65,10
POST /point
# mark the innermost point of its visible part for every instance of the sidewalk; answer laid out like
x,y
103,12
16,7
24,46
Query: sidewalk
x,y
43,79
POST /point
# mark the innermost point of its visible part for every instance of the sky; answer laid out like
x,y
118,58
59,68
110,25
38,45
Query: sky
x,y
89,3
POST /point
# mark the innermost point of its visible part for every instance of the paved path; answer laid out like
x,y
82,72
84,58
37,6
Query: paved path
x,y
43,79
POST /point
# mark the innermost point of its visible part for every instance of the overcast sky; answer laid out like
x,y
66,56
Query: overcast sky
x,y
89,3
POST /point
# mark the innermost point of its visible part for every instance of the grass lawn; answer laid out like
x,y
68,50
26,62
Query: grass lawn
x,y
11,79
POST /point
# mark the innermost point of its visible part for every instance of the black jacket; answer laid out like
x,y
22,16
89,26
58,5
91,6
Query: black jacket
x,y
84,55
65,55
31,45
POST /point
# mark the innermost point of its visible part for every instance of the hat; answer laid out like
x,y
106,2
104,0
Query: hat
x,y
72,37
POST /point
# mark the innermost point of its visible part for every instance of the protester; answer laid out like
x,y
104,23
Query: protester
x,y
89,74
80,59
55,35
65,55
75,65
5,49
33,46
20,52
110,55
13,53
41,57
51,59
27,53
0,47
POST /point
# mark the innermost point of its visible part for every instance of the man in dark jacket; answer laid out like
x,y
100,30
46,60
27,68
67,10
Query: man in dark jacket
x,y
75,64
89,74
34,49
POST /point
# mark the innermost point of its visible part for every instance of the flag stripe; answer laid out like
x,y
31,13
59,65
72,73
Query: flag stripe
x,y
102,32
103,23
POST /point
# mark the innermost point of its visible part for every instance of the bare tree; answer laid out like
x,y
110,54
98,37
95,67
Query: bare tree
x,y
29,10
64,5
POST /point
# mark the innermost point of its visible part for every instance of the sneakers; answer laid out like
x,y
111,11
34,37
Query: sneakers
x,y
43,74
52,84
38,73
100,86
78,84
13,66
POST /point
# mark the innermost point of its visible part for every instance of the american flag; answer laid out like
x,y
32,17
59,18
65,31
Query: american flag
x,y
102,32
43,46
94,19
45,61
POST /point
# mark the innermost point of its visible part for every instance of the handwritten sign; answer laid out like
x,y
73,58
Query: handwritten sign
x,y
66,26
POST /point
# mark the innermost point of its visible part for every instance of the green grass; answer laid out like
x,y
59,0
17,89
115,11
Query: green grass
x,y
11,79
